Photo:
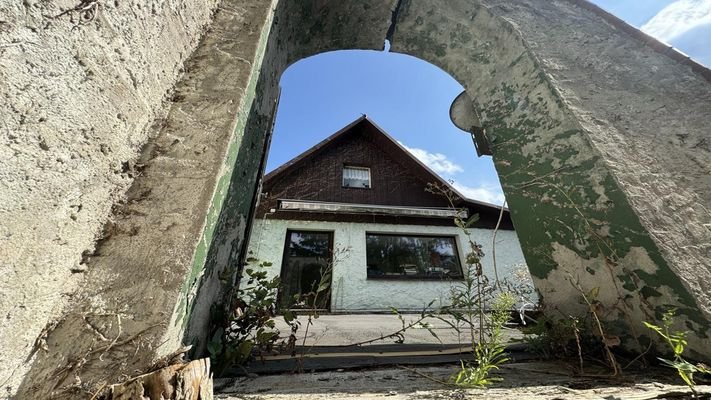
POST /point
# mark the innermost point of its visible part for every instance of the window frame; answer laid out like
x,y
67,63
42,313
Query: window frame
x,y
356,167
455,240
285,259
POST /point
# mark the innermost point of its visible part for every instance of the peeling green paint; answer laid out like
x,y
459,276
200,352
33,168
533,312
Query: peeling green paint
x,y
554,204
199,265
557,185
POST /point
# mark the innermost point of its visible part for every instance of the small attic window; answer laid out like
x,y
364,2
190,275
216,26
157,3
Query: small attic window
x,y
356,177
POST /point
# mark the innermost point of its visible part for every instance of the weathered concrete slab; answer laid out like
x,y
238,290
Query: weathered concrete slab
x,y
534,380
184,219
647,115
132,306
79,93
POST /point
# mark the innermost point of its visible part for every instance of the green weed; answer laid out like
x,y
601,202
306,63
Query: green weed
x,y
676,340
489,353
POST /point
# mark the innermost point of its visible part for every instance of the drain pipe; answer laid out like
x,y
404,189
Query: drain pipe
x,y
264,221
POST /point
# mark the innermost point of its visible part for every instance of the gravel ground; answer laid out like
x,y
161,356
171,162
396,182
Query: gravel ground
x,y
526,380
538,380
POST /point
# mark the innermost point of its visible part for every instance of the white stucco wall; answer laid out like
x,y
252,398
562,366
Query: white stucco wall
x,y
352,291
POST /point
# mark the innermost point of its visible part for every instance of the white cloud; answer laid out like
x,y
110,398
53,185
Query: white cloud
x,y
486,193
438,162
678,18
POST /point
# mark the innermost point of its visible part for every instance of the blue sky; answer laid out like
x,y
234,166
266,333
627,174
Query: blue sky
x,y
410,98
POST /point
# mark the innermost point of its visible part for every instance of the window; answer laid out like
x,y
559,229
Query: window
x,y
307,256
356,177
412,257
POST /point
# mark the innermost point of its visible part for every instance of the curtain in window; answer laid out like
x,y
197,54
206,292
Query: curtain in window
x,y
358,174
356,177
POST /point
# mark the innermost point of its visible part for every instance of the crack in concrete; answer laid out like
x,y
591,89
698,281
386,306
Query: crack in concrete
x,y
393,21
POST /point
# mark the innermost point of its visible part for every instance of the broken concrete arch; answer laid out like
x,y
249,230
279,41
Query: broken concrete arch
x,y
578,230
577,227
562,146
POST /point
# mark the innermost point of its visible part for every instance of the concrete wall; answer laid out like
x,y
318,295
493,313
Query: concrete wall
x,y
142,278
77,103
648,117
350,288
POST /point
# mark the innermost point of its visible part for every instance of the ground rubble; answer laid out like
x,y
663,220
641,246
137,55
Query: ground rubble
x,y
404,372
529,380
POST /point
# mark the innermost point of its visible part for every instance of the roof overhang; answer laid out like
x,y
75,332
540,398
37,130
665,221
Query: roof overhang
x,y
351,208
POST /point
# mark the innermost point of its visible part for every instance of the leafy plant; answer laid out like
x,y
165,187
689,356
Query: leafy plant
x,y
311,302
490,352
520,284
468,308
676,340
467,298
585,337
550,338
248,325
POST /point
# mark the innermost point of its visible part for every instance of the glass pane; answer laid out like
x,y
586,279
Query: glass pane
x,y
419,257
307,258
356,177
308,244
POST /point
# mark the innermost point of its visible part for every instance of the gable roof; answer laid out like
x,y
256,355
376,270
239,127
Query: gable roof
x,y
390,145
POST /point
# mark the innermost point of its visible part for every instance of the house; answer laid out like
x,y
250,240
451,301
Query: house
x,y
358,199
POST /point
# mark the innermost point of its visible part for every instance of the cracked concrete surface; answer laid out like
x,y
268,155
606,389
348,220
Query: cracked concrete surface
x,y
78,102
137,284
534,380
648,116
